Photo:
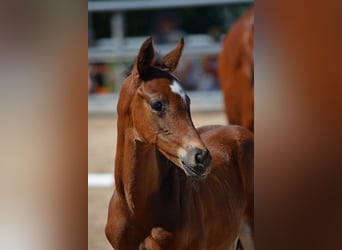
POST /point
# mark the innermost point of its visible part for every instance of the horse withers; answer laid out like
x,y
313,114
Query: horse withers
x,y
176,187
236,71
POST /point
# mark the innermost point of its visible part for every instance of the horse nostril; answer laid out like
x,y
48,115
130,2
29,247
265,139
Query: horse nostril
x,y
203,158
207,158
199,157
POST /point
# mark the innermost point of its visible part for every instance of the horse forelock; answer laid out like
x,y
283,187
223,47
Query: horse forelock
x,y
156,64
156,71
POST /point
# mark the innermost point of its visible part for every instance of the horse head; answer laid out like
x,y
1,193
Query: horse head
x,y
158,110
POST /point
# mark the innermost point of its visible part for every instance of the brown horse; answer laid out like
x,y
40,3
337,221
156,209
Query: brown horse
x,y
176,187
236,71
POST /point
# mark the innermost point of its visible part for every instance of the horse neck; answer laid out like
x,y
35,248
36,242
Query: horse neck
x,y
136,170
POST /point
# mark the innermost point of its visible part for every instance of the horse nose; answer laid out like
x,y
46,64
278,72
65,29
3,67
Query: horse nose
x,y
197,162
203,158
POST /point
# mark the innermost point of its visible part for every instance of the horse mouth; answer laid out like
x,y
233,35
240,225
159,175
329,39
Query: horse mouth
x,y
191,171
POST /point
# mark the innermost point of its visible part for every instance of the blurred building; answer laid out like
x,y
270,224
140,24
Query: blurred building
x,y
118,28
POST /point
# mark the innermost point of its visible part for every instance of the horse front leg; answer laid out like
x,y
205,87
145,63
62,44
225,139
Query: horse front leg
x,y
149,244
120,232
158,240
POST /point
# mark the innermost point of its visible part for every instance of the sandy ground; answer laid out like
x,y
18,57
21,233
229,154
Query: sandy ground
x,y
101,152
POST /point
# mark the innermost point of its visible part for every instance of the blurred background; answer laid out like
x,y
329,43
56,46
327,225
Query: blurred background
x,y
116,30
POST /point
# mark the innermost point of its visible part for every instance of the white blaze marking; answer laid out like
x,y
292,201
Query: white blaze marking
x,y
177,89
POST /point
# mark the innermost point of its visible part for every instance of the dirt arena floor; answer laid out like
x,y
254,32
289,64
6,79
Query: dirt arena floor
x,y
101,152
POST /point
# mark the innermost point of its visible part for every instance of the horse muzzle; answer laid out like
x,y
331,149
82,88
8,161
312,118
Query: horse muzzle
x,y
196,162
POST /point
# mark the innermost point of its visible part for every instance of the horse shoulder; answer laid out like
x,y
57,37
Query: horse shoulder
x,y
119,229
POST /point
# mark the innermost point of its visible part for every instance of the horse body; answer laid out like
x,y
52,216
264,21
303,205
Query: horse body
x,y
236,70
165,197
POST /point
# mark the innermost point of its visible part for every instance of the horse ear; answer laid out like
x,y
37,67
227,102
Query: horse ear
x,y
170,61
145,57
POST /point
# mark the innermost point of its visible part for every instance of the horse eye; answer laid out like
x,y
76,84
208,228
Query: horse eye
x,y
157,106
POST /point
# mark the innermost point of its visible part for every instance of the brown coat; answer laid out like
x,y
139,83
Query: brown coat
x,y
236,71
